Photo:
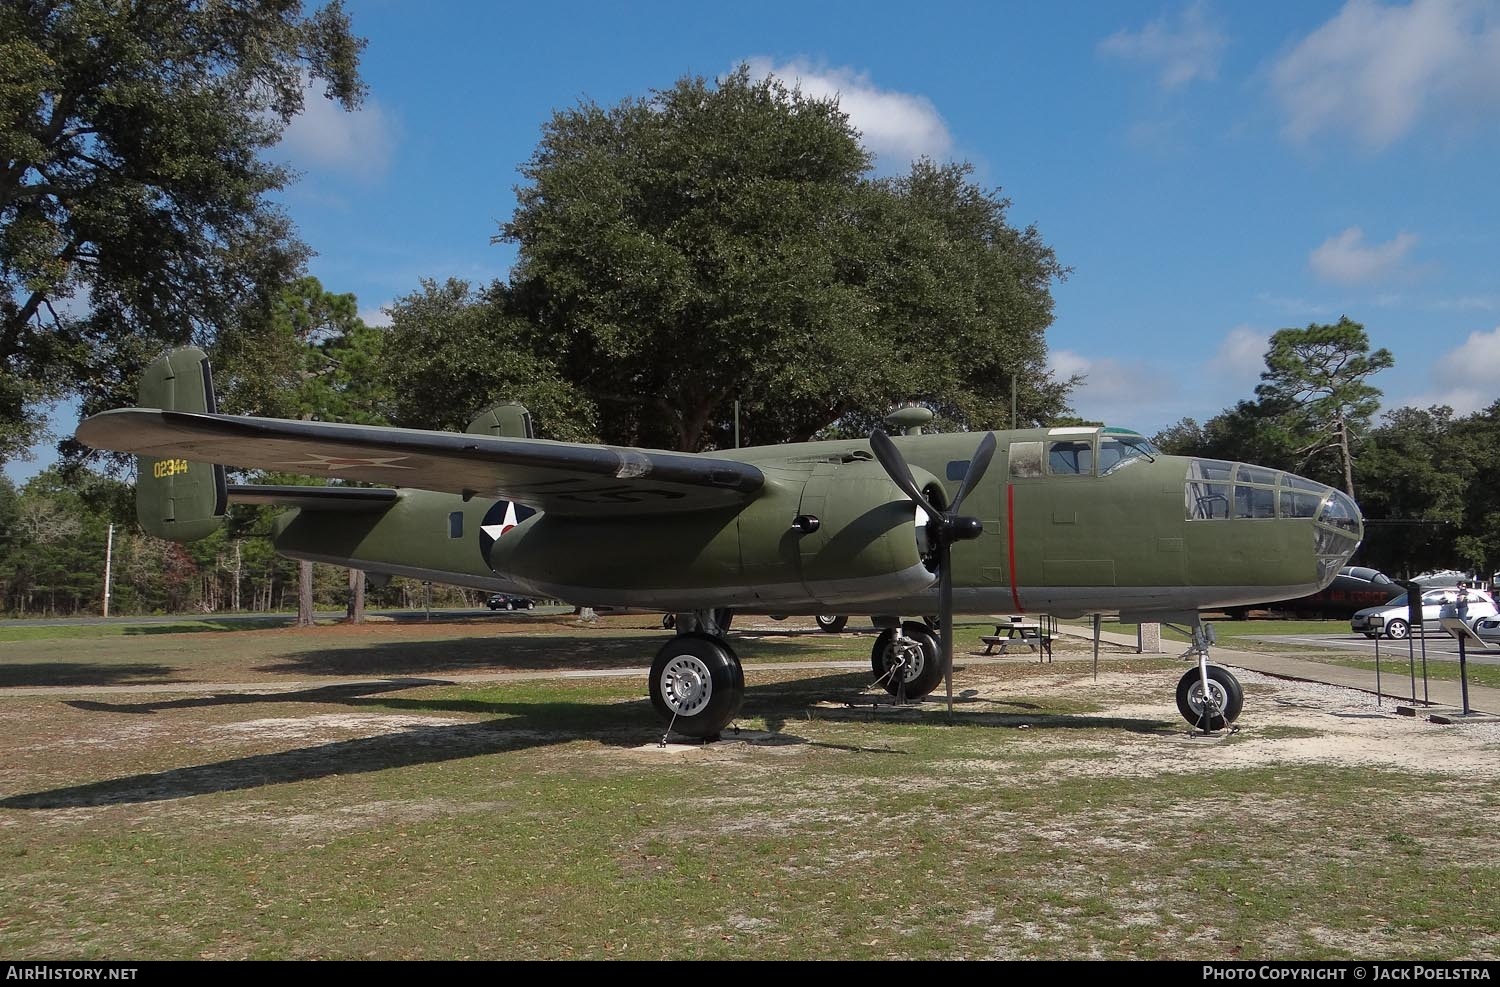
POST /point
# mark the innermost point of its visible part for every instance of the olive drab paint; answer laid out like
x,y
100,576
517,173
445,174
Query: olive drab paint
x,y
176,498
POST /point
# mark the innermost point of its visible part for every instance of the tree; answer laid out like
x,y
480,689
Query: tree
x,y
714,243
1317,376
310,356
461,352
134,209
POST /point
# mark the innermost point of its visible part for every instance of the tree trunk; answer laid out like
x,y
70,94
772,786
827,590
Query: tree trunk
x,y
304,594
356,611
1348,459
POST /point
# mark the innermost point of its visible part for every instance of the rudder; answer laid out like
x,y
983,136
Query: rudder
x,y
174,498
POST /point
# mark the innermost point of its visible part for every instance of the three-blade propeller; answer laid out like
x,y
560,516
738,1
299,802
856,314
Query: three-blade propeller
x,y
943,527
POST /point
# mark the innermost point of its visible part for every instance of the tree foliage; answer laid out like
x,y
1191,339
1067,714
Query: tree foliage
x,y
721,242
461,351
134,207
1316,388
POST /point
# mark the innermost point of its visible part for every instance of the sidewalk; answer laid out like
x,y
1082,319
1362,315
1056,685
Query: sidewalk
x,y
1395,674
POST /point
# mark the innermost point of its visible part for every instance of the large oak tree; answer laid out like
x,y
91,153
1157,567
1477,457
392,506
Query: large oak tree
x,y
133,191
728,241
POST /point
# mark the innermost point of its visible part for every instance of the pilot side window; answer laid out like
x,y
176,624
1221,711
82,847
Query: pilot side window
x,y
1025,459
1070,458
456,524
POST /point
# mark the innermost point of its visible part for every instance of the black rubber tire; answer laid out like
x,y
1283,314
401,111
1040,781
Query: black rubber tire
x,y
697,679
1371,636
927,674
1397,630
1231,695
831,624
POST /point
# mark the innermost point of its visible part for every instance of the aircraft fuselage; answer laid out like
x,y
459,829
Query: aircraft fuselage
x,y
1071,524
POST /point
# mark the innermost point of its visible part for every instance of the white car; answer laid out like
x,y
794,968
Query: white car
x,y
1488,630
1392,620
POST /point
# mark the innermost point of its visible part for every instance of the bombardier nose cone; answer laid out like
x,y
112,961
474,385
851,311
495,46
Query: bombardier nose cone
x,y
1337,530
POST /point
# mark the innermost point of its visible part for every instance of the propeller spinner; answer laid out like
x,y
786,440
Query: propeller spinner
x,y
943,527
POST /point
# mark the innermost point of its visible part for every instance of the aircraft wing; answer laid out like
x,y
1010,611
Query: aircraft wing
x,y
558,477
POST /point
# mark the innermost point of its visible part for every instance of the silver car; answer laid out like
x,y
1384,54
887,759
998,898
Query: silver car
x,y
1392,619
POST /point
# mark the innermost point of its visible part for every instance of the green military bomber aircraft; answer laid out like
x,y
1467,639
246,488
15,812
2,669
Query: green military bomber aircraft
x,y
1064,521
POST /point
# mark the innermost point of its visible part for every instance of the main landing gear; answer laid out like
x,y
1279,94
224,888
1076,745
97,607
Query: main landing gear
x,y
697,682
1209,697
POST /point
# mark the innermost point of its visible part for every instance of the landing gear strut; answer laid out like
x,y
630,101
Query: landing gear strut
x,y
906,661
1209,697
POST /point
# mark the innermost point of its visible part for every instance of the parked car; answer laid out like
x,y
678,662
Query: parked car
x,y
1488,630
504,601
1394,620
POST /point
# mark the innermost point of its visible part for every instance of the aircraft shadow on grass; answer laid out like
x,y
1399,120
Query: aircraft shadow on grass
x,y
516,725
83,673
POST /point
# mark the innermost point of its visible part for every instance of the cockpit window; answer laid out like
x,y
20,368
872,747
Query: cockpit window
x,y
1117,451
1070,458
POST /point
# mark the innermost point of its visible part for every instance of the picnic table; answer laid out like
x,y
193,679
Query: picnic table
x,y
1018,632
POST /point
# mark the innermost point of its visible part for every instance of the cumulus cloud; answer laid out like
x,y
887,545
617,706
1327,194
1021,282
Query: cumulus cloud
x,y
1466,378
892,124
377,316
1182,49
1376,70
1240,358
326,136
1116,392
1347,259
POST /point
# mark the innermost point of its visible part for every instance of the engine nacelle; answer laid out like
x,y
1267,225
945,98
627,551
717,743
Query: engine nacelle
x,y
866,545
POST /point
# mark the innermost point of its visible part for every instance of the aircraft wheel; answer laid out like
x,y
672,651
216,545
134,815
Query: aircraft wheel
x,y
831,624
697,685
917,651
1226,698
1397,629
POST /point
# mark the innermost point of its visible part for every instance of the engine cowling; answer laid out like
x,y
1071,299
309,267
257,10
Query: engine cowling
x,y
870,542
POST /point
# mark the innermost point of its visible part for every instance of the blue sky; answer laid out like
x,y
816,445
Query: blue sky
x,y
1210,171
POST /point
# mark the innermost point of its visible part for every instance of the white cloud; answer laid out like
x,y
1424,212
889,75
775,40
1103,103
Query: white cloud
x,y
1240,358
1466,378
1183,51
377,316
895,124
1116,392
1347,259
1150,393
325,135
1375,70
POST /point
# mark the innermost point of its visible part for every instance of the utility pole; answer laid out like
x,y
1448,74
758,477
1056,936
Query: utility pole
x,y
109,551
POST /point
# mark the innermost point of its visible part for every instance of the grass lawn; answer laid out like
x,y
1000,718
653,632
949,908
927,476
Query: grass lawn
x,y
537,818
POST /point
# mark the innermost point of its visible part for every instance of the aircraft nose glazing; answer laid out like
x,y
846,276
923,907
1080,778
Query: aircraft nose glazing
x,y
1338,527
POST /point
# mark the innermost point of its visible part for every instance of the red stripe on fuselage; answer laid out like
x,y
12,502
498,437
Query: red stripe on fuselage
x,y
1010,543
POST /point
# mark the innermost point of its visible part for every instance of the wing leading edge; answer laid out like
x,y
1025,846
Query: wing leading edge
x,y
558,477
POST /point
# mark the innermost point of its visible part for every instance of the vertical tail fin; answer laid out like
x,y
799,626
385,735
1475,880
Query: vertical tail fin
x,y
509,418
175,498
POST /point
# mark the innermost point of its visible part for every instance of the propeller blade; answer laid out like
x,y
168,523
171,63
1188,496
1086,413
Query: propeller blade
x,y
977,466
895,467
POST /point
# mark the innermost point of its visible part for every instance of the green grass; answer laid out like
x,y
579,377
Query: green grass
x,y
1399,667
537,818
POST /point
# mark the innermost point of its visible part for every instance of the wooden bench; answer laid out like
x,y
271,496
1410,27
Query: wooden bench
x,y
1016,633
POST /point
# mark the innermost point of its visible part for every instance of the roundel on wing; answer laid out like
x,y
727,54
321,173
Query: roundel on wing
x,y
500,518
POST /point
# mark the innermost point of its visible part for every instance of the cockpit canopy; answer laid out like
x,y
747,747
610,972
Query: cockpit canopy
x,y
1080,451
